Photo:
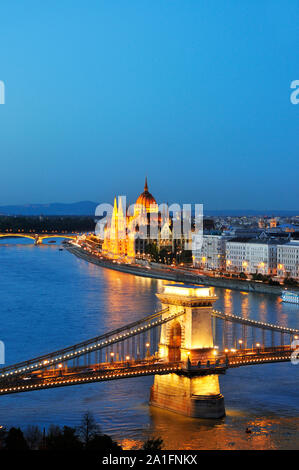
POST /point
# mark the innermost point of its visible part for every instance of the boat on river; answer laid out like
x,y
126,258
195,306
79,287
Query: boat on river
x,y
290,296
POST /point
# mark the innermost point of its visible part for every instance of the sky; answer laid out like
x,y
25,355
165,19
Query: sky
x,y
195,94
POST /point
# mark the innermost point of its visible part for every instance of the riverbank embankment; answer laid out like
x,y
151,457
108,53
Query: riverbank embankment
x,y
174,274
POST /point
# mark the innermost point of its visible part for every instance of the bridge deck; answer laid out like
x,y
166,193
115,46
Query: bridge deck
x,y
53,378
31,383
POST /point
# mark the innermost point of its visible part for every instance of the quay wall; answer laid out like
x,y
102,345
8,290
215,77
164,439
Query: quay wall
x,y
177,275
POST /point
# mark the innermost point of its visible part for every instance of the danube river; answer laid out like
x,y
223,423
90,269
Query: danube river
x,y
51,299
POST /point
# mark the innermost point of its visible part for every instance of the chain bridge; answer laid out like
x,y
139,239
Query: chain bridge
x,y
186,346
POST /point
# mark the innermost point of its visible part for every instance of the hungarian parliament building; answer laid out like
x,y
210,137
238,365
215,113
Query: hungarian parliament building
x,y
129,236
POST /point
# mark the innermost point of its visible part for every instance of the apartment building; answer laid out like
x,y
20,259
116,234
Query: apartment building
x,y
251,256
210,255
288,260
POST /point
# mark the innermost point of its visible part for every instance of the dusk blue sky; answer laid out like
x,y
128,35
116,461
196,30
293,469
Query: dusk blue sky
x,y
194,94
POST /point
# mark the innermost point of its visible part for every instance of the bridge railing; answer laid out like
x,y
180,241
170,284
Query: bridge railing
x,y
137,339
235,332
18,385
237,357
258,324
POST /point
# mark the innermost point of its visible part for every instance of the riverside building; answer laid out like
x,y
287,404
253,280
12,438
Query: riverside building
x,y
128,236
122,239
288,260
251,256
211,255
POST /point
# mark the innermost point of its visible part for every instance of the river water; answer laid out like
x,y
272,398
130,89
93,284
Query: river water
x,y
50,299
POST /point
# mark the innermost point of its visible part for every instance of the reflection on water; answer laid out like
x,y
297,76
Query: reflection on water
x,y
227,433
228,299
244,305
50,299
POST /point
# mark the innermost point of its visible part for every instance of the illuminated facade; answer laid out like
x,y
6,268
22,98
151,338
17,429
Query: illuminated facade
x,y
188,338
127,234
129,231
252,256
288,260
211,254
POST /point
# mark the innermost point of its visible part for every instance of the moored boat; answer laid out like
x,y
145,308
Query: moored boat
x,y
290,296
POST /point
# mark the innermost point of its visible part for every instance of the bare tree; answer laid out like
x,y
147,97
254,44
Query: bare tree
x,y
153,444
33,436
88,428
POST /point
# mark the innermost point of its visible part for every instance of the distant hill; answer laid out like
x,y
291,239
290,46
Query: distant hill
x,y
244,212
89,207
56,208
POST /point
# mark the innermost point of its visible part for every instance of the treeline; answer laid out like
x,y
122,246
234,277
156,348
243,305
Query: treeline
x,y
266,278
87,436
29,224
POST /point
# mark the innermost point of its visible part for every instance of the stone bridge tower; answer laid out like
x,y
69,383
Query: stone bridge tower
x,y
188,338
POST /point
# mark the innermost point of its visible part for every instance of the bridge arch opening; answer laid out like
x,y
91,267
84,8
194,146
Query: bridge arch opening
x,y
37,238
16,239
175,342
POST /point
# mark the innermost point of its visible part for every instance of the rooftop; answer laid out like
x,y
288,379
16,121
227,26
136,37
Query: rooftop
x,y
187,286
259,241
292,243
187,290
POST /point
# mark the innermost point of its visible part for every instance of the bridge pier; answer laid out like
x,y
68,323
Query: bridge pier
x,y
188,338
197,397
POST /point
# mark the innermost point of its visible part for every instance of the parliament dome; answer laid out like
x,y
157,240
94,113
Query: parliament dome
x,y
146,200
